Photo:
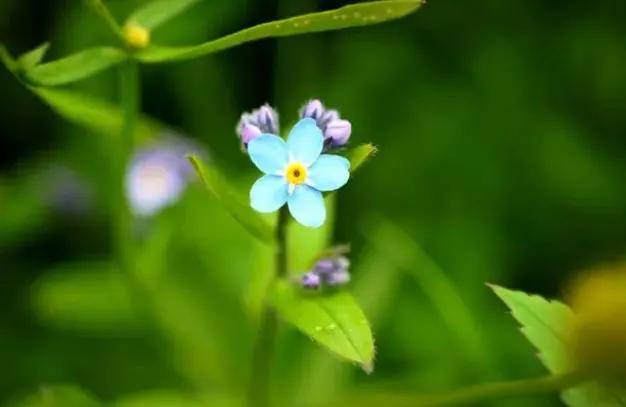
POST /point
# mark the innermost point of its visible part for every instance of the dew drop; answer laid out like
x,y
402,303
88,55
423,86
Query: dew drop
x,y
318,328
331,327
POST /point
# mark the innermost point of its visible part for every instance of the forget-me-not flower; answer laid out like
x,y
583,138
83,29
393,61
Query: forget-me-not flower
x,y
296,173
159,174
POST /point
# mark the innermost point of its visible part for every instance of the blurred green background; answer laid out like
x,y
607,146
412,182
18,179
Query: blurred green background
x,y
501,128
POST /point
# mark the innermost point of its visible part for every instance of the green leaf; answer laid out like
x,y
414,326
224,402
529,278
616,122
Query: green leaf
x,y
30,59
85,297
335,320
155,13
353,15
7,59
360,154
58,396
404,253
215,184
75,67
544,323
92,113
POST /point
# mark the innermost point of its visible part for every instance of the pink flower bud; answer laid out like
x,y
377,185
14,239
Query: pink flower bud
x,y
249,132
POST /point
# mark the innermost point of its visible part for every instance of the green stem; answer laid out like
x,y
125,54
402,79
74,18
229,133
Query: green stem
x,y
129,95
104,13
476,394
258,392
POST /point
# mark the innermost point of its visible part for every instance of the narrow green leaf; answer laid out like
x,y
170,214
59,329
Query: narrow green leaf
x,y
335,320
214,182
30,59
92,113
103,12
58,396
7,59
544,323
360,154
75,67
155,13
353,15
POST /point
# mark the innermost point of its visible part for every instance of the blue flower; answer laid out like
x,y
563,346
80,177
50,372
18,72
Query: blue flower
x,y
296,173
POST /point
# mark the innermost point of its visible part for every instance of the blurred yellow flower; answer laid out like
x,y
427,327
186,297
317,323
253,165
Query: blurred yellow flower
x,y
598,331
135,35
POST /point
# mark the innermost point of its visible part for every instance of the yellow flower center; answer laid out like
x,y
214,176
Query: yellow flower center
x,y
295,173
135,35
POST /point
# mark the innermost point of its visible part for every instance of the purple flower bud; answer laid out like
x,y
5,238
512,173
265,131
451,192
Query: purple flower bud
x,y
340,277
325,267
267,119
249,132
337,132
327,117
311,280
313,109
257,122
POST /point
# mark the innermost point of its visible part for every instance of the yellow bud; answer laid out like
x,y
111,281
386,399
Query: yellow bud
x,y
135,35
598,331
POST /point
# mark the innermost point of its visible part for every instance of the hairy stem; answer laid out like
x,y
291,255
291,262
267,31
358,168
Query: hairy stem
x,y
129,95
258,392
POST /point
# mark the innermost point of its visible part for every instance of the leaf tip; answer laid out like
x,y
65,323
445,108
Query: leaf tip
x,y
368,367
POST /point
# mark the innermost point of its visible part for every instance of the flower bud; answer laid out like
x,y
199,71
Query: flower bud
x,y
135,35
311,280
598,328
339,277
313,109
257,122
268,119
337,132
249,132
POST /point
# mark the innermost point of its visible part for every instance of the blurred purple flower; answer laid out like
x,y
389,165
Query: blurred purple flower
x,y
66,191
159,174
263,120
336,131
330,271
311,280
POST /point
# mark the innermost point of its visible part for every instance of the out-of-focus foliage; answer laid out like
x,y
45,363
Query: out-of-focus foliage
x,y
500,131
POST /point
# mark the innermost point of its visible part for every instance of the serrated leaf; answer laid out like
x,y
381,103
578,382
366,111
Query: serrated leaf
x,y
244,214
155,13
85,297
58,396
544,323
353,15
32,58
334,320
93,113
360,154
75,67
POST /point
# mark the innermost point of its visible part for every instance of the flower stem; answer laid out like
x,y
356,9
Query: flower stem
x,y
129,95
477,394
259,387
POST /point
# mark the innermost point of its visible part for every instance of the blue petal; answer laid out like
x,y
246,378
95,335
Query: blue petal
x,y
268,193
269,153
329,172
305,142
306,205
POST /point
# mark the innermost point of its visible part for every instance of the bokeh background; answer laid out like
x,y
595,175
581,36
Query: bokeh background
x,y
501,128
